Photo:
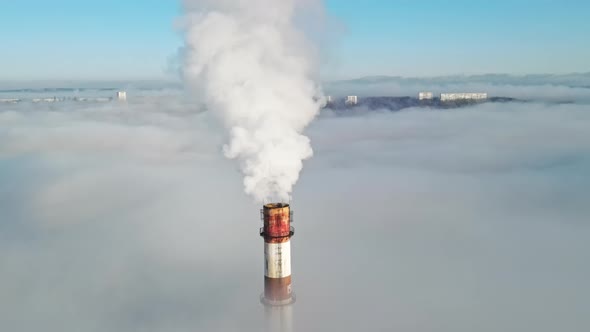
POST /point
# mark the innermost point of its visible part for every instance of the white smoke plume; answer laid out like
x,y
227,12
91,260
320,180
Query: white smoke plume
x,y
251,65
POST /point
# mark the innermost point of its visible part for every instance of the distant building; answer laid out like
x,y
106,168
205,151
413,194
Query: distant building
x,y
9,100
122,96
463,96
47,100
329,100
352,100
425,96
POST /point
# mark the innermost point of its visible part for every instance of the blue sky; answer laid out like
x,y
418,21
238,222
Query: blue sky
x,y
135,39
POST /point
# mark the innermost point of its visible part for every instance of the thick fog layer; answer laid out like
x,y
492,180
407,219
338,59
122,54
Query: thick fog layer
x,y
126,217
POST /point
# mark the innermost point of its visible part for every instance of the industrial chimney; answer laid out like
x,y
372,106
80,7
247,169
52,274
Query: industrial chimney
x,y
278,297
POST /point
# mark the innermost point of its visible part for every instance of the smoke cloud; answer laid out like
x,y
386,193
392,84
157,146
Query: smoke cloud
x,y
251,65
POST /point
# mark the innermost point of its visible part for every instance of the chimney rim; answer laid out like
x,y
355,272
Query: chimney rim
x,y
271,206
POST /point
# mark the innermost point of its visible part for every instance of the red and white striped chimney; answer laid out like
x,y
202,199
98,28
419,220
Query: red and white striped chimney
x,y
277,232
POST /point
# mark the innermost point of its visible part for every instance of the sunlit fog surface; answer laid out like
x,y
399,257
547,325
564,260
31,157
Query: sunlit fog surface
x,y
127,217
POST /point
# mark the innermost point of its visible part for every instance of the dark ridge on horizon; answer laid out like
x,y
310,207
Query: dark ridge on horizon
x,y
395,104
44,90
53,85
574,80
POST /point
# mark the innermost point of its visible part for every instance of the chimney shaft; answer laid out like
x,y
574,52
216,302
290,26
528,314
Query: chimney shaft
x,y
277,232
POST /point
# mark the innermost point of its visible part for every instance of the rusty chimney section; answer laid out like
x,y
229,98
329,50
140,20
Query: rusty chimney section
x,y
277,232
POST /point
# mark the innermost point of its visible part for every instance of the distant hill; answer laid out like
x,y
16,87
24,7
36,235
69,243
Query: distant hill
x,y
573,80
541,87
399,103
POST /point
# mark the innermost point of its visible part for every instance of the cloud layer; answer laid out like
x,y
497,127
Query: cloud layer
x,y
126,217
